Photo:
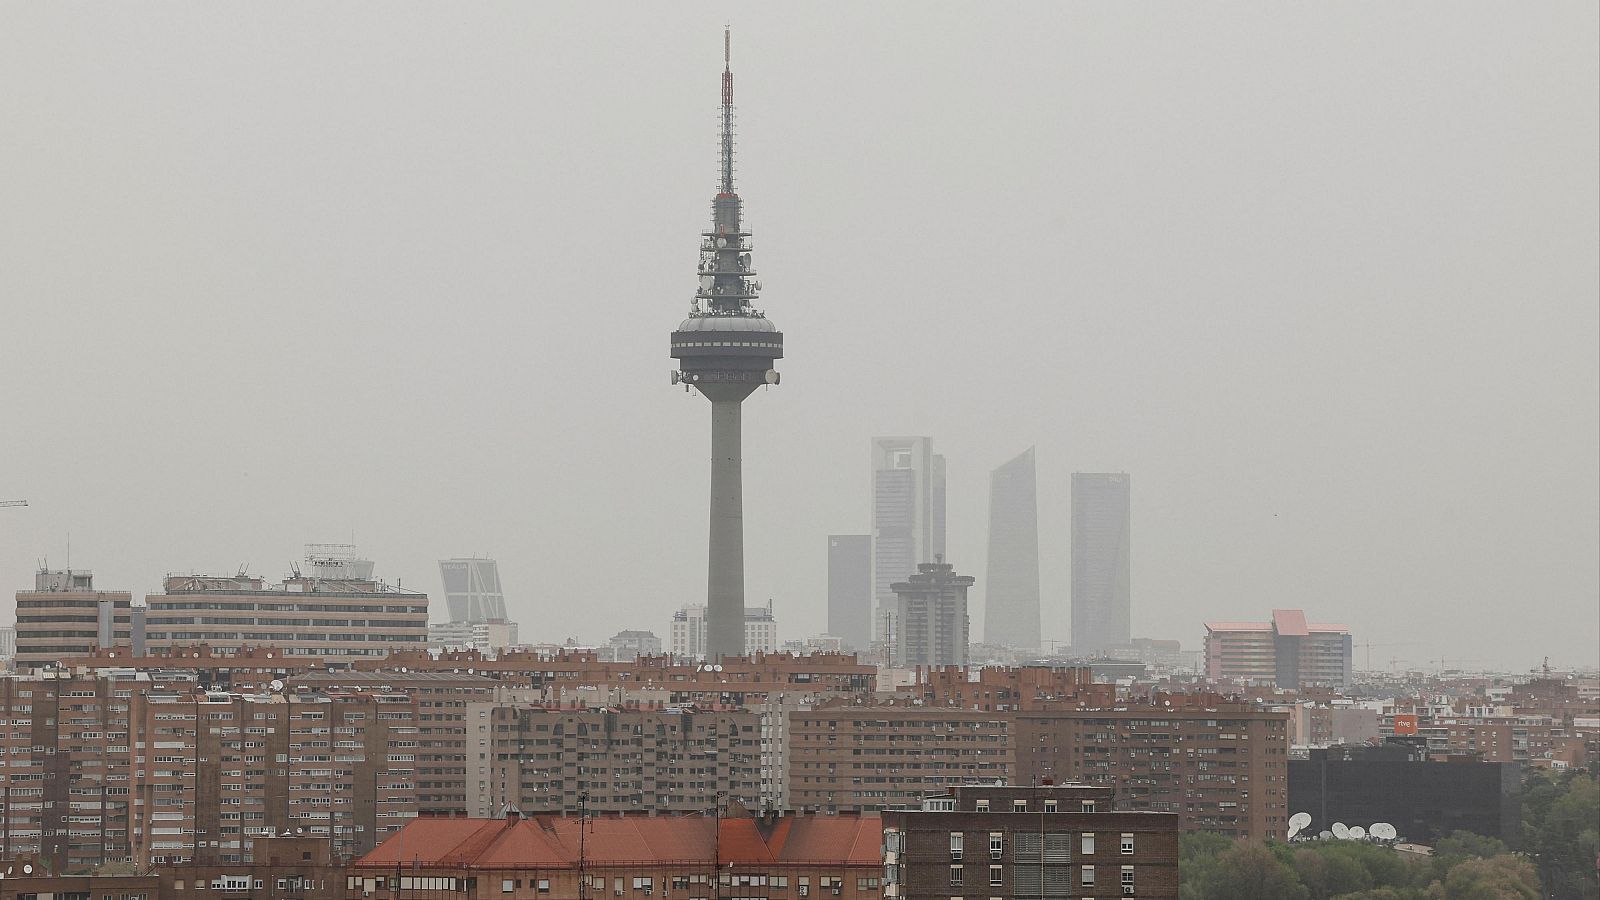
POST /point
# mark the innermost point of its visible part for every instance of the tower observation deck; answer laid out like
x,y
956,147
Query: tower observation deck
x,y
725,349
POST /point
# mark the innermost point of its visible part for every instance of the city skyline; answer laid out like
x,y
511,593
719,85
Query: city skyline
x,y
1317,333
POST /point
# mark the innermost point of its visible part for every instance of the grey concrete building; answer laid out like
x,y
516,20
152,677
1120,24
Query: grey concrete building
x,y
931,626
1101,544
472,591
1011,609
850,589
65,616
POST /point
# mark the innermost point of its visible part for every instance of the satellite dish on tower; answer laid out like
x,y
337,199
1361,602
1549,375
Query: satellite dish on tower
x,y
1341,831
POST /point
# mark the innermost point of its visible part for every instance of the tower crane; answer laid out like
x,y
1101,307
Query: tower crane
x,y
1368,645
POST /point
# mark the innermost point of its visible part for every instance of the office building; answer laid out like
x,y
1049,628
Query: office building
x,y
1036,841
850,589
908,503
1399,783
472,591
726,349
1011,605
1287,652
489,638
305,616
1101,544
688,637
65,616
931,625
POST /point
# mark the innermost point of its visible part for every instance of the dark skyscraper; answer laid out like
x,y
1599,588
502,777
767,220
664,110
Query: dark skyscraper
x,y
1011,613
931,627
850,589
726,349
1101,538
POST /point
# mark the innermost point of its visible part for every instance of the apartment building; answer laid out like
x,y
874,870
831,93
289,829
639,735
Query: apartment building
x,y
306,616
1220,766
1006,689
1045,841
65,616
691,857
863,758
453,729
625,759
213,772
64,770
287,868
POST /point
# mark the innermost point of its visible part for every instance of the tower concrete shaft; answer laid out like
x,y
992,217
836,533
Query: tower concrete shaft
x,y
726,349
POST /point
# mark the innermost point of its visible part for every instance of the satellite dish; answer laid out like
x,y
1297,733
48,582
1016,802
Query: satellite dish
x,y
772,376
1383,831
1324,834
1299,820
276,686
1357,832
1341,831
27,868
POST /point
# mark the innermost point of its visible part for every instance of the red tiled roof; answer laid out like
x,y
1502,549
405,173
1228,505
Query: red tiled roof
x,y
551,842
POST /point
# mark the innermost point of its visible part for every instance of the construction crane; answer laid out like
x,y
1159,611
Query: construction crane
x,y
1369,645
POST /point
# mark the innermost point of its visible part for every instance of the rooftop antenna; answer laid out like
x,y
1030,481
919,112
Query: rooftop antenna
x,y
727,110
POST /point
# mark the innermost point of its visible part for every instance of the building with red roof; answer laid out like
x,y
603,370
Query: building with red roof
x,y
631,856
1288,652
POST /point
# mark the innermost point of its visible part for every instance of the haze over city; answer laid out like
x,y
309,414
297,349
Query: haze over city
x,y
1321,279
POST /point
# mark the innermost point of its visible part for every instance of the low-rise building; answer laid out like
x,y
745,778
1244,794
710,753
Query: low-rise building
x,y
694,857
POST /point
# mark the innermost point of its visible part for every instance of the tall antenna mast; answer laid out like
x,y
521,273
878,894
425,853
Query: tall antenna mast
x,y
727,111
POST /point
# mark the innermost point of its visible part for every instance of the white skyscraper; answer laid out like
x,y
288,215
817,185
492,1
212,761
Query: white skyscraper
x,y
907,515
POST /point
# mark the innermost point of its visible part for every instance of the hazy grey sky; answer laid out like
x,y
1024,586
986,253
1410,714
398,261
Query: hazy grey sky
x,y
1322,277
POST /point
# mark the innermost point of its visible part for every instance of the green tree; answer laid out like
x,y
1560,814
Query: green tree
x,y
1561,832
1500,878
1253,872
1386,893
1461,846
1197,857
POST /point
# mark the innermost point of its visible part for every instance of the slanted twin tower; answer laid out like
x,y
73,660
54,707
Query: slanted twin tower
x,y
726,349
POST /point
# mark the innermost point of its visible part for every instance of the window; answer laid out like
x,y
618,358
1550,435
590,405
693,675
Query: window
x,y
1019,806
955,876
956,839
1127,874
1088,806
1088,876
1127,845
508,885
1050,806
544,885
997,844
983,805
997,876
1088,843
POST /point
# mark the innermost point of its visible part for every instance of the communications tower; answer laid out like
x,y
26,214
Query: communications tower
x,y
726,349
